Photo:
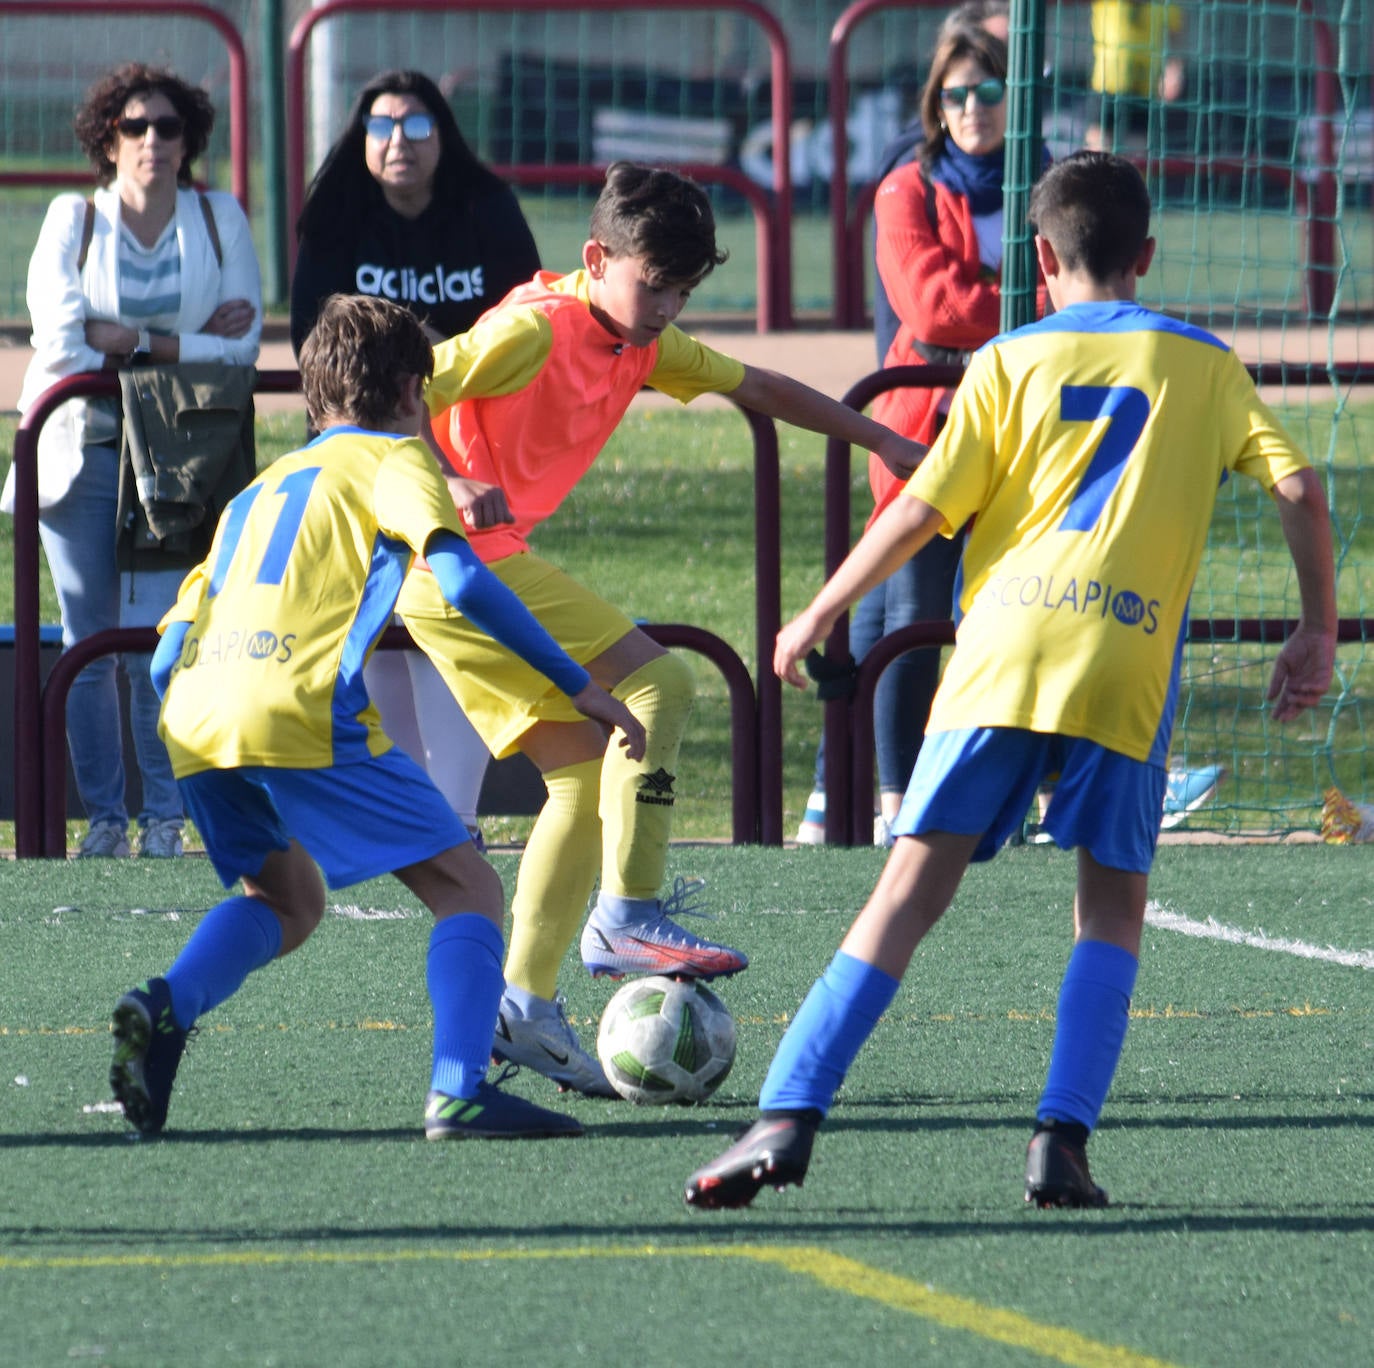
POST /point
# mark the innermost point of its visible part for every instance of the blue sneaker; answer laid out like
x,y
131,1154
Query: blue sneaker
x,y
655,944
493,1115
1187,790
148,1048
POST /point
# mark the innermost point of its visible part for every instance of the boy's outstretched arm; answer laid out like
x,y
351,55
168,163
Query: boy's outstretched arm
x,y
779,396
901,530
489,605
1302,672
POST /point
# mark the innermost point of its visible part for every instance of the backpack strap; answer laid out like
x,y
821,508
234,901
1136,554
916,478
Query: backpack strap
x,y
87,231
210,227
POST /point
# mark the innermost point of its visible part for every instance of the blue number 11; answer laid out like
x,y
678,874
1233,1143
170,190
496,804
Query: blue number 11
x,y
1127,411
295,493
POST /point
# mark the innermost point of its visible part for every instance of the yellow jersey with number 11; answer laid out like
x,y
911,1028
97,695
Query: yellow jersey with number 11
x,y
300,582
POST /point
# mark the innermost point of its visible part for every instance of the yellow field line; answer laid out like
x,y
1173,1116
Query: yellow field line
x,y
833,1271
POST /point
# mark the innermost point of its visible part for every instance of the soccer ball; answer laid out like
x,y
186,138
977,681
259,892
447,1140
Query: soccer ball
x,y
666,1040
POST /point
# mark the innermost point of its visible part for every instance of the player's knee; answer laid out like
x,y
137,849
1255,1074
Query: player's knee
x,y
459,880
664,686
290,884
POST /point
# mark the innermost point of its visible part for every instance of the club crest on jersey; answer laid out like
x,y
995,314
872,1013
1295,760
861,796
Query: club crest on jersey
x,y
656,788
221,647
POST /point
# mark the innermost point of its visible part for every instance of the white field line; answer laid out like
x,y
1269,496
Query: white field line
x,y
1211,929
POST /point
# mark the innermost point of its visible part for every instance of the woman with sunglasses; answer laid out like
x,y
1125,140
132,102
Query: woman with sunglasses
x,y
146,270
401,207
939,259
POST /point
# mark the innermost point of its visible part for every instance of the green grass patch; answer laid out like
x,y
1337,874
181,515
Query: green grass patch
x,y
294,1213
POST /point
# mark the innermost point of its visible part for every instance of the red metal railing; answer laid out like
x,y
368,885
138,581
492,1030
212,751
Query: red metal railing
x,y
189,9
847,226
775,218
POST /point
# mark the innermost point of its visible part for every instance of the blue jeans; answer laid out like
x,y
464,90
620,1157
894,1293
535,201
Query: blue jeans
x,y
78,535
922,590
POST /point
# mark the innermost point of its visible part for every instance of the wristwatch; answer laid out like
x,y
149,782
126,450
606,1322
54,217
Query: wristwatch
x,y
143,347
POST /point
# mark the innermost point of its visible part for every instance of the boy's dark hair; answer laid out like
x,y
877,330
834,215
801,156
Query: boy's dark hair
x,y
356,357
105,101
666,219
1095,210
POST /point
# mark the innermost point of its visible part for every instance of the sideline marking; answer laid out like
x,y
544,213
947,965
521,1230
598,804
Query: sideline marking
x,y
830,1270
1211,929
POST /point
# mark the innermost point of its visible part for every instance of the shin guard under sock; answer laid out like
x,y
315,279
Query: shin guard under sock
x,y
557,873
839,1014
234,938
637,796
463,975
1090,1029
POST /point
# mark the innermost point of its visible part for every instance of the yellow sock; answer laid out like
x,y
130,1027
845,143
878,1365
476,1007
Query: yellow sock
x,y
557,874
637,797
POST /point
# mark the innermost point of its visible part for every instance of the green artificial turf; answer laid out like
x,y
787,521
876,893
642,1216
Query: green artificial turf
x,y
294,1214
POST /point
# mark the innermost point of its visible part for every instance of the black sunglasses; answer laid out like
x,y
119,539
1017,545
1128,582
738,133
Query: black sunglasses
x,y
414,127
168,127
990,92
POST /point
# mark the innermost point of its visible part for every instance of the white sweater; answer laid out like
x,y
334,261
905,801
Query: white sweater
x,y
61,301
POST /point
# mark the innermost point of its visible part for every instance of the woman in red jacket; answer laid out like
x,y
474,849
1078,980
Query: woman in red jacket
x,y
939,258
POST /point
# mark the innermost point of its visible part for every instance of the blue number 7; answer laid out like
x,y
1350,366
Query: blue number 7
x,y
295,489
1127,411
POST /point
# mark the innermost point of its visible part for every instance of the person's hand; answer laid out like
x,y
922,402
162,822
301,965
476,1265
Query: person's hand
x,y
596,703
112,339
901,455
482,505
1302,673
233,318
795,639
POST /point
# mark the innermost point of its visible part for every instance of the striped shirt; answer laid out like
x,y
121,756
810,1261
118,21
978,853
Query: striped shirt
x,y
150,280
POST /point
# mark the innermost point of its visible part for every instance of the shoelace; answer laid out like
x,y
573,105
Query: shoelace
x,y
688,899
508,1071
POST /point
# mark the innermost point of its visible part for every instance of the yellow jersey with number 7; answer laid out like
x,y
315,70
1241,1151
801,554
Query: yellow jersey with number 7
x,y
1088,449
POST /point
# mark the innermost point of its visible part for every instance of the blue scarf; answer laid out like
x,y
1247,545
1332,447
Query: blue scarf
x,y
978,179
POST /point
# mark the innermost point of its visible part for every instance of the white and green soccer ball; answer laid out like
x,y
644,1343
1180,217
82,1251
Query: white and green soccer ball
x,y
666,1040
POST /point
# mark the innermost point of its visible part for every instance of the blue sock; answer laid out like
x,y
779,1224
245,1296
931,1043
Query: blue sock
x,y
234,938
463,972
1094,1006
839,1014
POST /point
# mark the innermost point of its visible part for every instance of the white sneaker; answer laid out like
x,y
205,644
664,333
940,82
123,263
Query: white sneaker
x,y
545,1041
160,840
882,832
812,828
105,841
654,943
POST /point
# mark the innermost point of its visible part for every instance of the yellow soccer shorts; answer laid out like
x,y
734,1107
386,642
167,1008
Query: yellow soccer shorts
x,y
502,695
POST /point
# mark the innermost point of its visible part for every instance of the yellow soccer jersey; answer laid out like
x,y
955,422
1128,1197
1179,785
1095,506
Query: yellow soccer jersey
x,y
300,582
1129,43
1088,449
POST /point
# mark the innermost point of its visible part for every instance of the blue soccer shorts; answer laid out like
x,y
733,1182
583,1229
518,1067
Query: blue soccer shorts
x,y
356,821
983,780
